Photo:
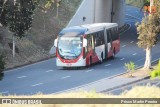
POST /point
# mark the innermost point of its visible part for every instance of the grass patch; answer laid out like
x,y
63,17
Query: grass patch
x,y
136,3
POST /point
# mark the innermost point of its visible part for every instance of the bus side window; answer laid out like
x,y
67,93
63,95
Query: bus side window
x,y
102,37
89,45
108,36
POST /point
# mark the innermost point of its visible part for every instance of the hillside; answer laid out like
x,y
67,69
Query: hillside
x,y
36,44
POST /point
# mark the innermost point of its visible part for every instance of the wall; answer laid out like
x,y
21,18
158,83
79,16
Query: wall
x,y
99,11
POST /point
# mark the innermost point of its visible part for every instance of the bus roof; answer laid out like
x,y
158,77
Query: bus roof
x,y
88,28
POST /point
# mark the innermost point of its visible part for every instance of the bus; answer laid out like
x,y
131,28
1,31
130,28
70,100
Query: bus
x,y
84,45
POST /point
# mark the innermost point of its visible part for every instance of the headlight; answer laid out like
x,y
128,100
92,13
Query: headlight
x,y
58,59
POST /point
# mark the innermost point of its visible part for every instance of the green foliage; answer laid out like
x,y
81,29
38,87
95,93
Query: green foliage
x,y
148,31
3,12
156,72
130,66
149,28
146,2
47,4
2,63
17,16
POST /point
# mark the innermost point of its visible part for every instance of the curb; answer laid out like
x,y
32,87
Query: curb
x,y
110,89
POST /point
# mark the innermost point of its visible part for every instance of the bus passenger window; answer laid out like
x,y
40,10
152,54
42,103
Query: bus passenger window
x,y
89,45
108,36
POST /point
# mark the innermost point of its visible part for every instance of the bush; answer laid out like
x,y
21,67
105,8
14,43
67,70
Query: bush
x,y
2,63
156,72
130,67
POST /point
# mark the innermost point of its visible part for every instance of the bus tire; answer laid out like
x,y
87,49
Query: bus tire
x,y
101,60
113,55
90,61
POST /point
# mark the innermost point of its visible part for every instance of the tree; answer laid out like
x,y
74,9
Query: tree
x,y
17,16
3,12
148,30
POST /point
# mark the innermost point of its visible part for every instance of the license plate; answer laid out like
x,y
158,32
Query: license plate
x,y
69,64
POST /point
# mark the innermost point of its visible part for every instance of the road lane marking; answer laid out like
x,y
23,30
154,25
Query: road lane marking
x,y
65,77
90,70
21,77
123,46
122,59
49,71
140,60
37,84
131,41
134,17
5,92
108,65
134,54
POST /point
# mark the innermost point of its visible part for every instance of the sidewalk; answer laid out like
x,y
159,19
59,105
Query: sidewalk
x,y
107,84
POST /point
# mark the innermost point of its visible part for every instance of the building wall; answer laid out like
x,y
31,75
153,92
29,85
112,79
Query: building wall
x,y
86,10
99,11
119,11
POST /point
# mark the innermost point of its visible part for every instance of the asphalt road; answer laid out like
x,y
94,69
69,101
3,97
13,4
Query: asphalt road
x,y
45,77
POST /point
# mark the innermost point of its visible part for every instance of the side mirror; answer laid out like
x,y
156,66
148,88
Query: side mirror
x,y
84,42
55,42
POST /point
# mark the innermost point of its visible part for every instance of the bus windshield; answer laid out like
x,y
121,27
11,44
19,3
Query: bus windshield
x,y
69,47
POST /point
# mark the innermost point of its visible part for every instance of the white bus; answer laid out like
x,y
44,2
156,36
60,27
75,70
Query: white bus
x,y
84,45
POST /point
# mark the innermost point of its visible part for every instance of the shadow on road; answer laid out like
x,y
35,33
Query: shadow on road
x,y
1,75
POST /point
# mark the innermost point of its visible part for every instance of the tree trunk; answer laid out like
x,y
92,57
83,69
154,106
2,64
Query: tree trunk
x,y
13,46
147,64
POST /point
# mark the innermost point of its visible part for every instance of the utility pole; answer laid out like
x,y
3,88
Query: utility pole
x,y
94,13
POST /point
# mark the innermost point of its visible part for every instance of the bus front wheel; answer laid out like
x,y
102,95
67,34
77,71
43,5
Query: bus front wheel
x,y
90,61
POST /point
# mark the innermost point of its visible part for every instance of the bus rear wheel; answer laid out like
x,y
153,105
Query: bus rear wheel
x,y
113,55
101,59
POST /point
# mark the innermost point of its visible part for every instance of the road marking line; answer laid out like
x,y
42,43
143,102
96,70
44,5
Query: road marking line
x,y
21,77
5,92
134,54
90,70
37,84
49,71
65,77
108,65
140,60
122,59
134,17
131,41
123,46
